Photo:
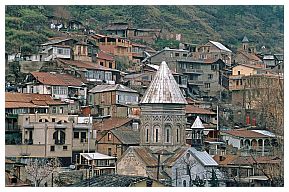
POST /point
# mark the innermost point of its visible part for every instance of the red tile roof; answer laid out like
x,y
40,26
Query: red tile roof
x,y
111,123
197,110
85,65
47,78
245,134
13,105
29,100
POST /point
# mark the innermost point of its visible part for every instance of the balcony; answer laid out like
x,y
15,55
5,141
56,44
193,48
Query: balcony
x,y
60,126
28,126
194,71
194,82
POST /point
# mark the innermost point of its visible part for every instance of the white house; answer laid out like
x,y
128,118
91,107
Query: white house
x,y
194,164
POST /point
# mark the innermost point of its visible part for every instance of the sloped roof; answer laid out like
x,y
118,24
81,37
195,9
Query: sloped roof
x,y
86,65
163,88
111,123
47,78
29,100
146,156
177,154
105,56
204,158
197,124
246,134
95,156
250,56
198,110
127,136
220,46
55,41
105,88
245,40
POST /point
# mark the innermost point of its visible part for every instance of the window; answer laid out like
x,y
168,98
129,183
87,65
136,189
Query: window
x,y
60,51
184,183
83,137
239,72
177,54
178,134
52,148
109,151
241,82
207,85
76,135
53,120
110,64
64,148
61,110
210,76
109,137
157,134
101,63
53,109
237,82
59,137
167,133
185,55
147,135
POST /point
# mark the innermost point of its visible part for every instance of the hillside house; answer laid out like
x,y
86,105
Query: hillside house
x,y
113,100
213,50
259,142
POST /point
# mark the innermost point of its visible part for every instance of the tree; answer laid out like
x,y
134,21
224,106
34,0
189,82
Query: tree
x,y
39,169
214,179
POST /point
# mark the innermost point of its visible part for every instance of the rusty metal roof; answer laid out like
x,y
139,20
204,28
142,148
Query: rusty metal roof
x,y
164,88
107,88
47,78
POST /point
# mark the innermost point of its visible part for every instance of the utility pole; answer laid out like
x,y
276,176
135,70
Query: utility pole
x,y
88,141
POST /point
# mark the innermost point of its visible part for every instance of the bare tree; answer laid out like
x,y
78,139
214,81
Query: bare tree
x,y
39,169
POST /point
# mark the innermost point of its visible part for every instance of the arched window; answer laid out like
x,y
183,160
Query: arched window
x,y
147,134
156,134
167,133
184,183
59,137
178,134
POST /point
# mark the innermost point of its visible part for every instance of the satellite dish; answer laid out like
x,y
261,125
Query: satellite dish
x,y
72,167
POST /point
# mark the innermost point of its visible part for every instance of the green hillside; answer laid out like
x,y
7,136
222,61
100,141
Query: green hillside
x,y
26,26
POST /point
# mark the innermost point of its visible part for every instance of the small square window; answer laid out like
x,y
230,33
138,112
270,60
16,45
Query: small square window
x,y
64,148
76,135
52,148
53,119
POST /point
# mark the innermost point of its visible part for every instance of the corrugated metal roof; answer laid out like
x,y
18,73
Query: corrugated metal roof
x,y
203,157
264,132
164,88
245,133
220,46
94,156
117,87
198,124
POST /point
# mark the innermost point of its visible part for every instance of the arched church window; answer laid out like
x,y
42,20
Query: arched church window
x,y
168,133
156,134
147,134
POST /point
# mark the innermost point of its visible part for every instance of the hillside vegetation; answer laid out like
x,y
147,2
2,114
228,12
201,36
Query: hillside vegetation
x,y
28,25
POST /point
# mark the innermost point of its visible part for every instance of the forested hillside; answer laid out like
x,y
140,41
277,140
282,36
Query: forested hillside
x,y
28,25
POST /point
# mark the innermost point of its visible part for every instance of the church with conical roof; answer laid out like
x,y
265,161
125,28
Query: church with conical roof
x,y
162,131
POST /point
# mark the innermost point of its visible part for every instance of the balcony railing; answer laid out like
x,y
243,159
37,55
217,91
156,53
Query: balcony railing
x,y
195,71
194,82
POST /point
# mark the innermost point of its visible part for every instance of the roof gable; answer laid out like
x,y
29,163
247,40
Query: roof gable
x,y
198,124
